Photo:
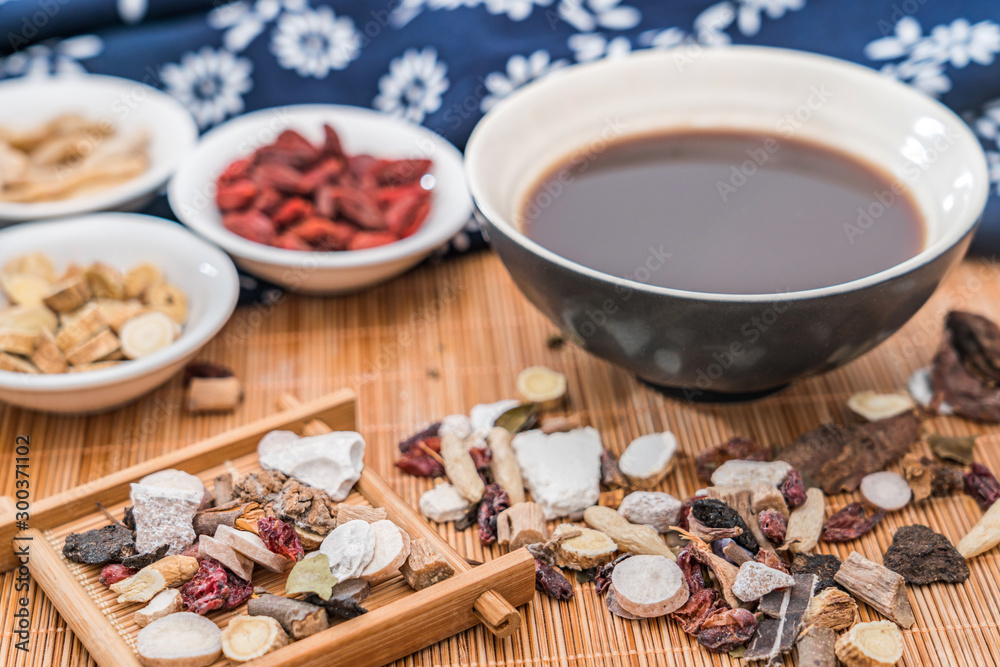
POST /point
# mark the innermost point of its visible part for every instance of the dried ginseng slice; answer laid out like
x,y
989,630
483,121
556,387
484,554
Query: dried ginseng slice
x,y
144,334
24,289
249,637
36,263
140,278
105,282
179,640
169,299
874,406
886,490
392,547
649,586
538,384
878,644
30,318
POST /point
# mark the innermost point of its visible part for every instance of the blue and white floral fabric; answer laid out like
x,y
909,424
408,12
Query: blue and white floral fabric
x,y
444,63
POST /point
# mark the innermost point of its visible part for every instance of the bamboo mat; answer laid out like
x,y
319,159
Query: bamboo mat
x,y
445,337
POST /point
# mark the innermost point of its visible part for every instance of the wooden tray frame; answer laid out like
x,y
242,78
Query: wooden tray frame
x,y
487,593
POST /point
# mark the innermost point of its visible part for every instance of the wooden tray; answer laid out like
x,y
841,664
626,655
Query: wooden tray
x,y
400,620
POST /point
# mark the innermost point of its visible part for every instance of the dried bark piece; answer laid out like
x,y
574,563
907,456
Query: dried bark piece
x,y
756,580
806,523
150,580
850,523
506,471
877,586
611,475
955,384
250,637
108,544
953,448
308,508
350,548
717,514
297,618
652,508
425,566
924,557
982,485
832,608
648,459
392,548
649,586
878,644
776,636
590,548
886,490
461,469
710,534
824,566
520,525
345,599
163,604
158,646
206,522
918,475
837,457
629,537
734,448
347,513
984,535
733,552
816,647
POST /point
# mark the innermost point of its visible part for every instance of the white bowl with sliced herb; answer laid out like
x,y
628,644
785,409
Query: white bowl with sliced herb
x,y
91,341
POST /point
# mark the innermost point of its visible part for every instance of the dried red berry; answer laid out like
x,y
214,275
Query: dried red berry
x,y
240,591
236,170
323,234
727,629
396,172
235,195
481,457
850,523
773,524
280,177
421,466
331,143
982,485
495,500
280,538
208,590
552,582
359,208
363,240
292,211
793,489
253,225
115,572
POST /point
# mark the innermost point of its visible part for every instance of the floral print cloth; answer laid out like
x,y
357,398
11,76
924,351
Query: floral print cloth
x,y
444,63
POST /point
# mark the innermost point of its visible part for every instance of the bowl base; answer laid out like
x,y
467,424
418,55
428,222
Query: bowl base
x,y
693,395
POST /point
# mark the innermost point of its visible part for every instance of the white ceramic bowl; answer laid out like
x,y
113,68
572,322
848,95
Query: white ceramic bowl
x,y
192,191
129,105
122,240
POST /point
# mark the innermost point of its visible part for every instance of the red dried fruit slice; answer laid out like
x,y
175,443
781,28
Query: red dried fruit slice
x,y
326,171
292,211
331,143
292,139
417,219
399,214
280,538
359,208
236,170
251,225
280,177
362,167
395,172
290,241
235,195
323,234
326,204
362,240
390,193
268,201
299,158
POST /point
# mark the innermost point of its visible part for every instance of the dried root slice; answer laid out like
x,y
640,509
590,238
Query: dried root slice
x,y
591,548
878,644
24,289
506,471
425,566
350,547
35,263
93,349
29,318
249,637
183,639
169,299
520,525
832,608
541,385
984,535
874,406
80,325
806,523
347,513
150,580
140,278
213,394
392,548
251,546
648,459
163,604
117,313
105,282
461,469
146,334
240,565
18,341
886,490
649,586
68,294
48,357
629,537
8,362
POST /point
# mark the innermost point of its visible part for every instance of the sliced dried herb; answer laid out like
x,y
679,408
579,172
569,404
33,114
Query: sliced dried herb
x,y
495,500
108,544
773,524
734,448
552,582
140,561
957,449
982,486
922,556
520,418
838,457
793,489
849,523
824,566
311,575
717,514
602,579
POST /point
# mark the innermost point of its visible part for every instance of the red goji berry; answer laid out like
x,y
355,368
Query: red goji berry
x,y
236,195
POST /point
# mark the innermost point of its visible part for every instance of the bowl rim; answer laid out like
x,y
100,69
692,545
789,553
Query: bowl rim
x,y
425,240
215,317
178,122
474,174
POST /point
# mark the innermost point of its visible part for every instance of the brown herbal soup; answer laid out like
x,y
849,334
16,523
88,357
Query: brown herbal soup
x,y
730,212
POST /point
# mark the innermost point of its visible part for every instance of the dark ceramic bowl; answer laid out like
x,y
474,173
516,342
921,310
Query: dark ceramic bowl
x,y
715,346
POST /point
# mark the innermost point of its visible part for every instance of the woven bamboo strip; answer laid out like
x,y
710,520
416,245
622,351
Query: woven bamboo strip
x,y
469,349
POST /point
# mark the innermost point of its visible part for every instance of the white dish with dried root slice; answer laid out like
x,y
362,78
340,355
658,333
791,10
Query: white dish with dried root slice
x,y
127,109
121,240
